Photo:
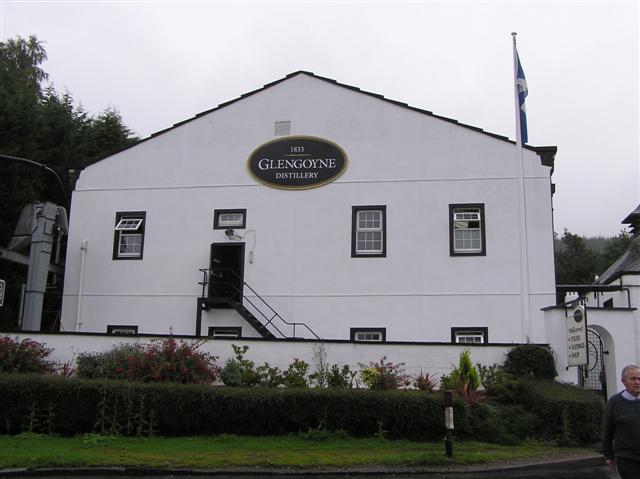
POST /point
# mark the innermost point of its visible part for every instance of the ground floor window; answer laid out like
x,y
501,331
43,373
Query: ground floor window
x,y
369,335
222,332
469,335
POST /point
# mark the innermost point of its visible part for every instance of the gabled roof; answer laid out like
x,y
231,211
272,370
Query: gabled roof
x,y
546,153
633,220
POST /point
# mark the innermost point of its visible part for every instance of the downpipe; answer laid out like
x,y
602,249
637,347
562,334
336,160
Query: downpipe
x,y
83,254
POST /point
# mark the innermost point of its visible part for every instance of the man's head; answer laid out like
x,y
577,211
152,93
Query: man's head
x,y
631,379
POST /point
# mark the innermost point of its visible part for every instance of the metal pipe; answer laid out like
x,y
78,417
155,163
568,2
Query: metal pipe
x,y
83,253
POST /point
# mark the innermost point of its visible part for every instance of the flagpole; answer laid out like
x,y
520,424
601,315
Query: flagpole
x,y
525,300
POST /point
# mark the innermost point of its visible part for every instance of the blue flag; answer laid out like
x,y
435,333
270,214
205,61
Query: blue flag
x,y
523,91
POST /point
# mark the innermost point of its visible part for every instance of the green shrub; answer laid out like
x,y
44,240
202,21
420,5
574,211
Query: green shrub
x,y
78,406
24,356
564,413
502,424
530,360
163,360
296,374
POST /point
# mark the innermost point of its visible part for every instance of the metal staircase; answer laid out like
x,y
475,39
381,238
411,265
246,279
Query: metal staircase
x,y
218,291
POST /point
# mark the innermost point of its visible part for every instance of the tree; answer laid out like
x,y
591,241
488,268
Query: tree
x,y
575,263
613,249
40,124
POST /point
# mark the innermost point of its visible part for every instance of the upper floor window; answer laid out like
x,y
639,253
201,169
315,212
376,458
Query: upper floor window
x,y
223,219
128,240
368,231
467,231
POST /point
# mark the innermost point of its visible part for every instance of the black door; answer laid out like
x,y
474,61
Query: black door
x,y
227,272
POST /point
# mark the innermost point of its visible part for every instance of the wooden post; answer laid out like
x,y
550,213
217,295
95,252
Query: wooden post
x,y
448,423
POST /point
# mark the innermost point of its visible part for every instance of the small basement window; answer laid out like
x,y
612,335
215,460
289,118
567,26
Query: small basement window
x,y
469,335
223,332
122,330
369,335
223,219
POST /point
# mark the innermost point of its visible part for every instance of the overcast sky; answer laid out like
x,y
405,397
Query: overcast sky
x,y
159,63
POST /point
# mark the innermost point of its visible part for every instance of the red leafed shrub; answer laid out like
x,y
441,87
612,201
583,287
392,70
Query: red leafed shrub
x,y
163,360
24,356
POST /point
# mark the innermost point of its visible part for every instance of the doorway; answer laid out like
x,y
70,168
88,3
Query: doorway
x,y
227,273
593,375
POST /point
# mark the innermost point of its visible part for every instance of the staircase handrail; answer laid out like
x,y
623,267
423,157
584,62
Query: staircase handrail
x,y
207,273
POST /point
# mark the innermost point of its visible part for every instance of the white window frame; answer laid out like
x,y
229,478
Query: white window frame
x,y
222,223
231,223
475,337
470,335
369,335
225,332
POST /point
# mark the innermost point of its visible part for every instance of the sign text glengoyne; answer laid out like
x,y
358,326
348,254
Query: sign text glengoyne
x,y
297,162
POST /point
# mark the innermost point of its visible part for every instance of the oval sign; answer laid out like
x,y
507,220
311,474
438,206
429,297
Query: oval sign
x,y
297,162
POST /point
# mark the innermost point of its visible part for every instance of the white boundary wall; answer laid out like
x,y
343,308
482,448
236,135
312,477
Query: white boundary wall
x,y
436,359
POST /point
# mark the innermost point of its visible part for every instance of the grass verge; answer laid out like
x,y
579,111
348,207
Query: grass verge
x,y
227,451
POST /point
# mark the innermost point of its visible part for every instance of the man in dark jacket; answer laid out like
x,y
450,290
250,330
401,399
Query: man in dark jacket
x,y
621,426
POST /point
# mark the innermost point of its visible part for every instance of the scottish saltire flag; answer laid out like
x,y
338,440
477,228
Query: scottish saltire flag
x,y
521,83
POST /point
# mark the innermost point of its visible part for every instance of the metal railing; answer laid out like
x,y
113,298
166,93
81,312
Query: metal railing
x,y
258,303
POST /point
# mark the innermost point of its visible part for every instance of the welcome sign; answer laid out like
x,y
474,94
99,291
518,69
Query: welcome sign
x,y
297,162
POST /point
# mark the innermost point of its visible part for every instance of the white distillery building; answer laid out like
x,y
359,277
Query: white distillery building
x,y
312,209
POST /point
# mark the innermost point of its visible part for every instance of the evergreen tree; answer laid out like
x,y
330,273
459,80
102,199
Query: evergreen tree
x,y
42,125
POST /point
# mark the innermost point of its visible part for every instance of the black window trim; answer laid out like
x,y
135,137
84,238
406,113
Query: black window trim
x,y
483,227
354,219
217,213
354,331
116,234
132,327
484,330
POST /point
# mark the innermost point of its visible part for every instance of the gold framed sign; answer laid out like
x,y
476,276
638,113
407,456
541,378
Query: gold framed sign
x,y
297,162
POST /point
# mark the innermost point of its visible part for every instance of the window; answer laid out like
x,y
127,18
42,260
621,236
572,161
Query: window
x,y
469,335
122,330
467,233
368,231
369,335
222,332
223,219
608,303
128,241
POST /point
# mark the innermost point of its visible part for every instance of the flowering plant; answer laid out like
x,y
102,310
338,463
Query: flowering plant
x,y
24,356
162,360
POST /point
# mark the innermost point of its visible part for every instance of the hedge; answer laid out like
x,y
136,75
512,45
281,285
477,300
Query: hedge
x,y
51,404
564,413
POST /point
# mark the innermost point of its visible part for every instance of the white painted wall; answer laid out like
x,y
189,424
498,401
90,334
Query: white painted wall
x,y
414,164
418,358
618,327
